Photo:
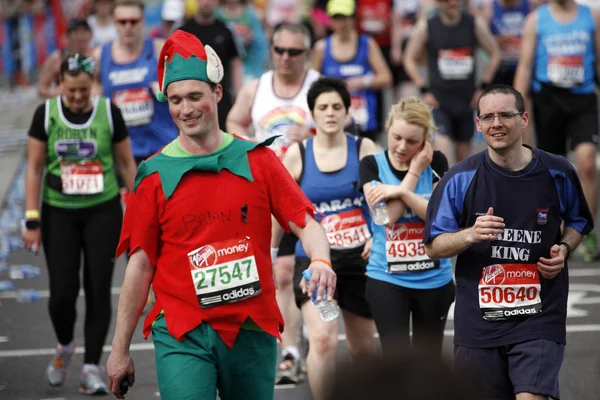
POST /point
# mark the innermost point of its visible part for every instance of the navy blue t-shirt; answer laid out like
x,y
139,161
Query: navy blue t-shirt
x,y
533,202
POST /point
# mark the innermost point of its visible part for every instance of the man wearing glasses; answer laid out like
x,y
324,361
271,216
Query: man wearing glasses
x,y
502,213
127,76
275,104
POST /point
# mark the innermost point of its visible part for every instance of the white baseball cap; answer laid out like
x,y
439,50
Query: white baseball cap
x,y
173,10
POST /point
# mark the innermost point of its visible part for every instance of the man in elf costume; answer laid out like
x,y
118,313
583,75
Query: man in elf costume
x,y
198,227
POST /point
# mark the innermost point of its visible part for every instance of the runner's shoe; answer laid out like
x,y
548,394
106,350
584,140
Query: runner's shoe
x,y
288,370
589,247
58,367
90,381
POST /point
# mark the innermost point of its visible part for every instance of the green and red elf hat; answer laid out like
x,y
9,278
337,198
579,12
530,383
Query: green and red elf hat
x,y
183,57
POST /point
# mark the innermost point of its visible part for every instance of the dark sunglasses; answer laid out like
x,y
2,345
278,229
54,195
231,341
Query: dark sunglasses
x,y
292,52
132,21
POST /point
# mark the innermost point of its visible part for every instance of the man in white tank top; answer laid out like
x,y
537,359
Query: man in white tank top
x,y
275,104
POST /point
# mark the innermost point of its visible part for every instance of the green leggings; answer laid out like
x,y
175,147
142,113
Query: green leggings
x,y
195,368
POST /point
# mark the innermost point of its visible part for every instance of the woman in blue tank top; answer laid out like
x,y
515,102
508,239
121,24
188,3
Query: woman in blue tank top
x,y
402,281
326,167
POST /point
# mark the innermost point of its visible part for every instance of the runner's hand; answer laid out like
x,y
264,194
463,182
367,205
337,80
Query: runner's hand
x,y
422,159
298,133
32,239
118,367
550,267
355,83
366,253
322,275
383,192
487,227
475,99
430,100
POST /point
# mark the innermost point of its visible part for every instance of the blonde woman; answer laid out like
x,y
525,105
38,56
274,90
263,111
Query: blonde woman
x,y
401,280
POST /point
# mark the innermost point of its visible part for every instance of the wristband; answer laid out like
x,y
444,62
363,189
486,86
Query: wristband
x,y
324,261
368,80
568,247
32,214
424,89
274,253
413,174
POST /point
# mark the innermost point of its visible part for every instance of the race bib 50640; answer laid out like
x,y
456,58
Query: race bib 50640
x,y
509,291
224,272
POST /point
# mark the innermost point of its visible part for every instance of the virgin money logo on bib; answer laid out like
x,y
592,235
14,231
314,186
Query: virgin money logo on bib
x,y
398,232
331,223
494,275
75,149
205,256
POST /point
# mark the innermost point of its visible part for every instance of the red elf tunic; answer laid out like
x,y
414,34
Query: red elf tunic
x,y
205,224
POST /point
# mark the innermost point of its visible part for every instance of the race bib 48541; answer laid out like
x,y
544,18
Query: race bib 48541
x,y
224,272
509,291
346,230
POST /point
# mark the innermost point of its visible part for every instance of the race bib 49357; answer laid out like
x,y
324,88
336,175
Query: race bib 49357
x,y
404,249
224,272
509,291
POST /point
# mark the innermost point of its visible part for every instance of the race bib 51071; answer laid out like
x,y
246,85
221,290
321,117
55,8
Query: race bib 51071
x,y
81,178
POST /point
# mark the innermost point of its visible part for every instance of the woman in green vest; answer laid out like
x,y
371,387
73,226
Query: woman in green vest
x,y
77,138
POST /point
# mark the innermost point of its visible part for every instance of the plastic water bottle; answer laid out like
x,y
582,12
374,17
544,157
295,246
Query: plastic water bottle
x,y
6,285
15,242
379,210
24,271
28,296
329,311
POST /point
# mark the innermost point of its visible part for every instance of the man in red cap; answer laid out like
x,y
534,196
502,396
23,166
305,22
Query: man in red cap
x,y
198,228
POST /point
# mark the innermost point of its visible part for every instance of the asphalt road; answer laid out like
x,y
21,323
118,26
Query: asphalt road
x,y
27,340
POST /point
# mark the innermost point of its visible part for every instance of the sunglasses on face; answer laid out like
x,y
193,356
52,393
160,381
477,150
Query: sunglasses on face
x,y
132,21
292,52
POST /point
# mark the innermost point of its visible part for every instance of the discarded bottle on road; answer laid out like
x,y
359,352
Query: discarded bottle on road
x,y
5,286
24,271
28,296
328,310
379,210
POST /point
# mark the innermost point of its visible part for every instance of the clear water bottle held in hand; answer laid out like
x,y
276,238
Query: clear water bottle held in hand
x,y
28,296
379,210
328,310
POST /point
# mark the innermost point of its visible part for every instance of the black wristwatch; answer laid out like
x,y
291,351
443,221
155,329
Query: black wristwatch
x,y
32,224
568,247
424,89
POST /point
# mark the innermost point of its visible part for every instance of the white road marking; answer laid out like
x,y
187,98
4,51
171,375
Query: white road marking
x,y
44,294
579,272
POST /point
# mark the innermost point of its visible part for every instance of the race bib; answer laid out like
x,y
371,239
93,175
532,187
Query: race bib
x,y
224,272
455,64
510,48
346,230
508,291
358,110
81,178
566,71
404,249
136,105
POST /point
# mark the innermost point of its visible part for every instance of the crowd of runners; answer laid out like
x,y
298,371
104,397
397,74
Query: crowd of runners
x,y
234,148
